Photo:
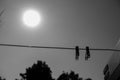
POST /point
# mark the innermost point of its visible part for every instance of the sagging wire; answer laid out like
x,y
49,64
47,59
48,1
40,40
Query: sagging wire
x,y
77,49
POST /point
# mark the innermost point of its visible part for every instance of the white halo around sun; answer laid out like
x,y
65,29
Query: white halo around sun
x,y
31,18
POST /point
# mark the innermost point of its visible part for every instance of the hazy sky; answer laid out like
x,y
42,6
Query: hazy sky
x,y
67,23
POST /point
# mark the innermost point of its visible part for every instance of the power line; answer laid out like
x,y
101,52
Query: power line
x,y
66,48
77,49
28,46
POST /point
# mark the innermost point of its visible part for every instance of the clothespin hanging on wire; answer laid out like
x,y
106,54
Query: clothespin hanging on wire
x,y
77,52
87,55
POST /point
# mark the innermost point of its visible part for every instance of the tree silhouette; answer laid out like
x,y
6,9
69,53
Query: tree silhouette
x,y
88,79
2,78
39,71
63,76
71,76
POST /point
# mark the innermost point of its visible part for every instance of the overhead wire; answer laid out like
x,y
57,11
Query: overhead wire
x,y
67,48
77,49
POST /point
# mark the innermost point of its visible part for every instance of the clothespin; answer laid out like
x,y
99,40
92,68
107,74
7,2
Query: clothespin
x,y
77,52
87,55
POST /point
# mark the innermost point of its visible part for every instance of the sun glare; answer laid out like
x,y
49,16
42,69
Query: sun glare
x,y
31,18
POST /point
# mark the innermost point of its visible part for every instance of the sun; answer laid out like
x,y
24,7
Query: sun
x,y
31,18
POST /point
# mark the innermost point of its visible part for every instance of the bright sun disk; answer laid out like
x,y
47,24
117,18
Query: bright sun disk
x,y
31,18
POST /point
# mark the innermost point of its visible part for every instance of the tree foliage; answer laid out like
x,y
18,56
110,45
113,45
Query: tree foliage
x,y
2,78
88,79
39,71
69,76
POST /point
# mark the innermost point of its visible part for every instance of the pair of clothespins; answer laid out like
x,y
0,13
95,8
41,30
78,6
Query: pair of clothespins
x,y
87,55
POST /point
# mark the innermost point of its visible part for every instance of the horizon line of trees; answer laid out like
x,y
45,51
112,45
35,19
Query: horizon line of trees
x,y
41,71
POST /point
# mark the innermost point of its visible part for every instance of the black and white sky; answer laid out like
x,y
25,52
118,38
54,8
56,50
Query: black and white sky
x,y
65,23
